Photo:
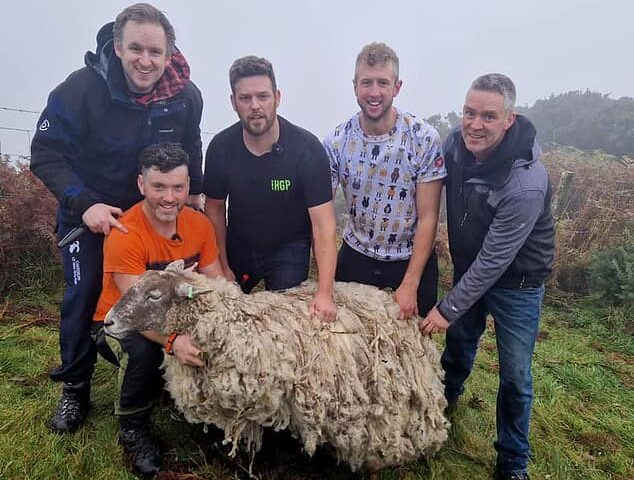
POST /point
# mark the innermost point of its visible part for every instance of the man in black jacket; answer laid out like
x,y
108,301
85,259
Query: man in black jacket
x,y
134,91
501,240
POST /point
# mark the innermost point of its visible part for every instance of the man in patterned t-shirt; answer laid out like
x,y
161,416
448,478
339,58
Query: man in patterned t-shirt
x,y
390,166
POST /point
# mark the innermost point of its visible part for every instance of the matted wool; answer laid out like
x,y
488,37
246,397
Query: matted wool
x,y
368,384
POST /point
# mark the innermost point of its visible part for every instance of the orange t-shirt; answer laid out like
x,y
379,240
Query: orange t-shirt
x,y
143,249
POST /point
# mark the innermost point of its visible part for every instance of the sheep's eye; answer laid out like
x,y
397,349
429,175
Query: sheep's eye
x,y
154,295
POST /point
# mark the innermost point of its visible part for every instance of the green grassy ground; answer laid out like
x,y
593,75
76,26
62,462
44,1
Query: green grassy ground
x,y
583,422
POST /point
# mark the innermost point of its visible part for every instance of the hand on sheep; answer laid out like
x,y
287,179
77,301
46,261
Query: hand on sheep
x,y
322,307
434,322
100,218
228,273
406,298
186,352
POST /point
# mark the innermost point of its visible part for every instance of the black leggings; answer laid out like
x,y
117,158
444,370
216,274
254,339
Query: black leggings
x,y
353,266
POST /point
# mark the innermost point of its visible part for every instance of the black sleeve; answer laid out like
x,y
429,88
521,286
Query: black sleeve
x,y
214,181
57,141
314,172
192,142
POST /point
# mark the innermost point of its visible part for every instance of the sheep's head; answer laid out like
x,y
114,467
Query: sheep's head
x,y
145,304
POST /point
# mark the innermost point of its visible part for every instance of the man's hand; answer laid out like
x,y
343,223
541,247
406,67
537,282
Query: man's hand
x,y
186,352
323,307
407,299
228,274
100,218
434,322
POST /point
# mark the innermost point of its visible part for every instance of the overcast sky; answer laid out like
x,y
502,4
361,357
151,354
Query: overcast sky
x,y
545,46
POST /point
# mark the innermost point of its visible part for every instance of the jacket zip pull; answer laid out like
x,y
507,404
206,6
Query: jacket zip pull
x,y
464,217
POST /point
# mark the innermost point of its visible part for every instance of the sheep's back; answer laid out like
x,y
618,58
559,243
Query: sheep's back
x,y
368,383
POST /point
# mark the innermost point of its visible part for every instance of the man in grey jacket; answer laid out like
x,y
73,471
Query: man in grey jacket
x,y
501,240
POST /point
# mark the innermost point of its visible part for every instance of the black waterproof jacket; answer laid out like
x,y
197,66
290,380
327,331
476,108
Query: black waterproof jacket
x,y
91,132
498,218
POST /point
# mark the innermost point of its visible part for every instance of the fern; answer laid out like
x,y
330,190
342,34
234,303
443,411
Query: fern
x,y
612,274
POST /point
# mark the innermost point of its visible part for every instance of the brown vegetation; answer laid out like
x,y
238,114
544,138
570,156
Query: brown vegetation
x,y
596,211
27,217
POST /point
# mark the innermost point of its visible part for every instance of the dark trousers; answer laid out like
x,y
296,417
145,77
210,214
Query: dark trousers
x,y
82,261
142,380
283,267
516,318
353,266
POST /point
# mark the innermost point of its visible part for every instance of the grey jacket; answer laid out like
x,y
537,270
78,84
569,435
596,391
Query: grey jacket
x,y
499,220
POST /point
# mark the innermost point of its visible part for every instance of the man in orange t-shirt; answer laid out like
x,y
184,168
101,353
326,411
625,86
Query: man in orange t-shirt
x,y
160,231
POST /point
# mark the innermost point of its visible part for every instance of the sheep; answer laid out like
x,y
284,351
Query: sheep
x,y
368,384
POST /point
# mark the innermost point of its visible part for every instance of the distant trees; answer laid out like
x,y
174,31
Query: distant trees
x,y
585,120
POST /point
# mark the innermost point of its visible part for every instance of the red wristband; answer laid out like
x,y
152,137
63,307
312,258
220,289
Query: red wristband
x,y
169,345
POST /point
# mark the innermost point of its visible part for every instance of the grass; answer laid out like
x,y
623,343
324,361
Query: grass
x,y
582,428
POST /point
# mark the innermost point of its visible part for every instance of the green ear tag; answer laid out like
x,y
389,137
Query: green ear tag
x,y
190,291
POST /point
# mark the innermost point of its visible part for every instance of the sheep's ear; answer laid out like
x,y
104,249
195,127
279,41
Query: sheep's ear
x,y
187,290
175,266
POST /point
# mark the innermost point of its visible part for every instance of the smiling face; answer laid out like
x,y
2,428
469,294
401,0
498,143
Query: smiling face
x,y
143,55
376,87
165,193
484,122
256,104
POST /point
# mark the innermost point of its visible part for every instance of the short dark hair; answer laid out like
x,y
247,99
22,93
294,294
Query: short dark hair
x,y
377,54
498,83
251,66
164,157
144,13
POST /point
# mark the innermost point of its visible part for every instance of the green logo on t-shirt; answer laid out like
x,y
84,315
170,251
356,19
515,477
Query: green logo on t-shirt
x,y
280,185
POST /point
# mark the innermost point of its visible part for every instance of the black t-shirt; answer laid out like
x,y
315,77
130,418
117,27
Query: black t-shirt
x,y
269,195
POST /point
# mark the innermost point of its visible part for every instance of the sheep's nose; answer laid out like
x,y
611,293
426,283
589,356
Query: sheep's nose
x,y
108,323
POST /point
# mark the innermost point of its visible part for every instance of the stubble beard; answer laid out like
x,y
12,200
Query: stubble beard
x,y
269,121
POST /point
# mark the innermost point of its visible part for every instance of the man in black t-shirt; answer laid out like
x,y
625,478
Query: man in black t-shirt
x,y
277,178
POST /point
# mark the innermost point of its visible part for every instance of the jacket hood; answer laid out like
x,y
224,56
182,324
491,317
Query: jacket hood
x,y
104,53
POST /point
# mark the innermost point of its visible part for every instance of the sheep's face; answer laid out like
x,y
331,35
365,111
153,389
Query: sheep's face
x,y
144,305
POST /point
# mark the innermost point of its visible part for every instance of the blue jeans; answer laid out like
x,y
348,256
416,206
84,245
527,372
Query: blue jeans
x,y
82,261
516,317
283,267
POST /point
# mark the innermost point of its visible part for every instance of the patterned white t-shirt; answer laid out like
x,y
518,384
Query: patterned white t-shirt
x,y
378,175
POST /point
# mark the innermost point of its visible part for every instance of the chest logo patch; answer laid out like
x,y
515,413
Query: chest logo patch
x,y
280,185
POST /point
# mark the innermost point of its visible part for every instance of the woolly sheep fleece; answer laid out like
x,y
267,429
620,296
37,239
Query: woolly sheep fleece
x,y
368,383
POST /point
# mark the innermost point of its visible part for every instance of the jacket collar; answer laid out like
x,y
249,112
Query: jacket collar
x,y
516,149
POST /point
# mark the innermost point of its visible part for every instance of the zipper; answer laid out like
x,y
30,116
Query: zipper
x,y
464,205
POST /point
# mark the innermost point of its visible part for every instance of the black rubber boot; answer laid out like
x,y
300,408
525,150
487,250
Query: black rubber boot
x,y
72,407
134,437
